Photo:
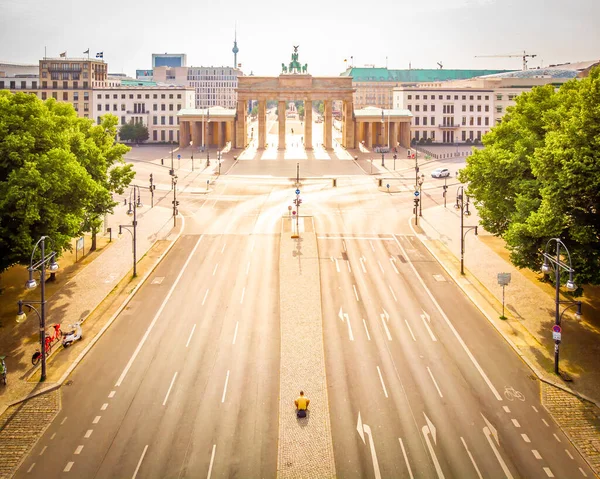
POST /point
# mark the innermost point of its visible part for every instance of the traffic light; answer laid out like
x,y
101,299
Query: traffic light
x,y
395,157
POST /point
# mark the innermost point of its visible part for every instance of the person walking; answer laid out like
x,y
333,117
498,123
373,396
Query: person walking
x,y
301,403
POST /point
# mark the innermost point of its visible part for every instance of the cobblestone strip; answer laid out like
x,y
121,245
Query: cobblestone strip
x,y
305,445
22,425
578,418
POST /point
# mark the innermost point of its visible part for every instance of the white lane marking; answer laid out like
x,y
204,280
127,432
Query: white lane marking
x,y
96,420
205,295
212,459
78,450
139,462
506,409
215,270
367,330
380,267
337,265
31,468
52,437
548,472
569,454
429,429
410,330
349,268
362,264
384,319
190,336
170,387
344,245
534,408
582,472
363,429
536,454
450,325
237,323
43,450
515,423
223,248
63,421
556,437
112,394
104,406
406,459
355,293
225,387
525,438
423,317
247,268
243,293
393,261
346,319
435,383
545,422
471,457
505,468
252,247
68,466
157,315
392,291
372,247
382,383
88,433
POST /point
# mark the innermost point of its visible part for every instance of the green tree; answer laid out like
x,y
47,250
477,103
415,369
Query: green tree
x,y
136,132
538,176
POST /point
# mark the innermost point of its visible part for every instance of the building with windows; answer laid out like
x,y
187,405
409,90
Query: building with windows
x,y
19,77
214,86
462,111
154,106
374,86
169,60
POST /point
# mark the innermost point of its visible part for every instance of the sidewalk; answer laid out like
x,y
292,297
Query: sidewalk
x,y
528,329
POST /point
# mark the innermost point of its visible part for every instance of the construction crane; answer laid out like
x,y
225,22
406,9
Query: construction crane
x,y
524,56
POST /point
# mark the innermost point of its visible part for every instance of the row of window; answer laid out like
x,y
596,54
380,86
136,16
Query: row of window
x,y
64,75
139,107
448,97
65,66
65,85
12,85
449,121
173,136
449,108
139,96
163,120
65,96
448,136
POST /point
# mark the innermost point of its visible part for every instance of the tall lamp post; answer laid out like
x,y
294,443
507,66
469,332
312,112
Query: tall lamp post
x,y
463,206
421,180
32,284
192,155
207,128
553,262
132,228
175,202
382,153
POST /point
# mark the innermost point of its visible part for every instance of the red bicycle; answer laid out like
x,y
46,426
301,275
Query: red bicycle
x,y
57,333
37,356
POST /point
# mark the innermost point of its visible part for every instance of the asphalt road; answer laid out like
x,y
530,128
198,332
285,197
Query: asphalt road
x,y
186,382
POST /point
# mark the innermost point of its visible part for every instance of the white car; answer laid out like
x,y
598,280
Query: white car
x,y
440,173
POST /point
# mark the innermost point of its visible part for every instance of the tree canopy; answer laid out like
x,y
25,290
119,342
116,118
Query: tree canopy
x,y
136,132
538,176
57,174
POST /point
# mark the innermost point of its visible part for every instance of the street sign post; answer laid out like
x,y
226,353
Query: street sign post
x,y
503,280
297,191
416,193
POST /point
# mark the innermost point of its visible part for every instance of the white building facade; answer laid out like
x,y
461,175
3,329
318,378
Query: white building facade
x,y
154,106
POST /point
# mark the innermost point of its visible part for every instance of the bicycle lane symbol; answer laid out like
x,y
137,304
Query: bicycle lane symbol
x,y
511,394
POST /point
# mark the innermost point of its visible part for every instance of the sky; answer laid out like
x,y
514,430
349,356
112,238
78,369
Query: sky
x,y
396,33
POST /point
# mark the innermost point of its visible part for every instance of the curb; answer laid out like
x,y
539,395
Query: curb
x,y
99,334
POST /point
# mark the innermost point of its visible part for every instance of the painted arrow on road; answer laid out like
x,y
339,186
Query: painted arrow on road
x,y
363,260
427,430
346,319
337,266
490,431
365,429
393,261
426,320
385,318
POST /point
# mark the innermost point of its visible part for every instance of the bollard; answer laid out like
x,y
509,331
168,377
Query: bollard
x,y
380,181
334,181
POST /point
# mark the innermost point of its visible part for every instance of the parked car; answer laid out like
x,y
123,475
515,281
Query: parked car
x,y
440,173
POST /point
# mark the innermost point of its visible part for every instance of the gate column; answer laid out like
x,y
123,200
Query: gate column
x,y
308,144
327,125
262,124
281,115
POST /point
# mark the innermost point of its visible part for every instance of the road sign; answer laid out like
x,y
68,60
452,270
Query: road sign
x,y
556,328
297,192
387,186
179,157
556,336
416,193
503,279
293,212
289,208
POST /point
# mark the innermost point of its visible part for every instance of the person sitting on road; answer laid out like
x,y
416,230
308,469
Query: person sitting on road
x,y
301,403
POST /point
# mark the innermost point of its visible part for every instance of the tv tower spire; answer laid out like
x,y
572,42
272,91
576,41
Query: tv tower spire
x,y
235,49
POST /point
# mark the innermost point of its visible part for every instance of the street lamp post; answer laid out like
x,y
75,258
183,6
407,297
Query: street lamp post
x,y
219,159
382,153
152,188
416,167
192,148
557,264
31,284
463,206
207,128
421,180
175,202
132,228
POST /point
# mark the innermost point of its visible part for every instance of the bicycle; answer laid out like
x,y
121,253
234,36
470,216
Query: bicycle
x,y
37,356
512,394
3,369
57,333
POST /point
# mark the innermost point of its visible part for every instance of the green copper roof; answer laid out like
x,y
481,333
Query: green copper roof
x,y
411,76
137,83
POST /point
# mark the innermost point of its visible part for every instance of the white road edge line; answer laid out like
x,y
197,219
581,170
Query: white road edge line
x,y
380,267
215,270
471,457
191,334
433,338
212,459
30,468
546,423
394,266
225,387
79,449
355,293
450,325
63,421
43,450
556,437
372,247
349,268
170,387
367,330
534,408
410,330
139,464
68,466
582,472
237,323
205,295
223,248
156,316
569,454
88,433
243,293
392,291
406,459
434,382
382,383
